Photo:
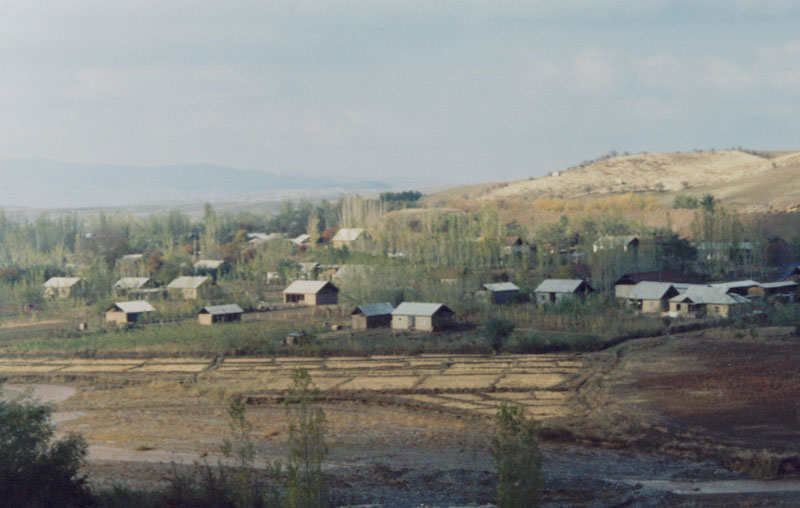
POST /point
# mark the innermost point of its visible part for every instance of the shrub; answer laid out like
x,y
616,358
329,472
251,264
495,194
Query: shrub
x,y
497,331
516,456
35,470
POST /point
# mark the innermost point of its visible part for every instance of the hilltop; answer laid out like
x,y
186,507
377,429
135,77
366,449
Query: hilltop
x,y
753,182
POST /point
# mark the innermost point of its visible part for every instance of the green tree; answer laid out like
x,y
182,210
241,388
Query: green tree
x,y
497,331
305,483
517,459
707,202
36,470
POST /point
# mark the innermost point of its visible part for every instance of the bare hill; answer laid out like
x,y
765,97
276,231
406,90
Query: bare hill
x,y
770,180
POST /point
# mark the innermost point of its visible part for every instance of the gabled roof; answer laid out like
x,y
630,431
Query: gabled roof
x,y
560,286
791,270
419,309
135,307
348,234
511,241
501,286
308,286
217,310
727,286
301,239
189,282
708,295
779,285
131,283
647,290
211,264
61,282
374,309
259,238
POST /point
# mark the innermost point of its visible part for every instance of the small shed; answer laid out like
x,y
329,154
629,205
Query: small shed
x,y
189,287
61,287
311,292
134,285
553,290
372,315
300,338
428,317
652,297
212,314
501,292
123,313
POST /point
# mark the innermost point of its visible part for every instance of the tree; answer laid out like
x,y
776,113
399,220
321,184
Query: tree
x,y
305,484
497,331
516,457
35,470
707,202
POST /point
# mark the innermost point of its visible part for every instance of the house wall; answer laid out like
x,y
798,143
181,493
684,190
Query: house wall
x,y
652,306
361,322
115,316
442,321
400,322
205,319
622,290
327,298
502,296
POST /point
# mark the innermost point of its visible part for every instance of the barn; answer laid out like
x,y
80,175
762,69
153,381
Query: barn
x,y
553,290
428,317
372,315
123,313
501,292
311,292
212,314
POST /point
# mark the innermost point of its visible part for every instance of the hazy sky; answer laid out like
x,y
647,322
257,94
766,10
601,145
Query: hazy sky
x,y
449,90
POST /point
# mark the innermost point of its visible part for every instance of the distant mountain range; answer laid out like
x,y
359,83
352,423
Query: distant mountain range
x,y
50,184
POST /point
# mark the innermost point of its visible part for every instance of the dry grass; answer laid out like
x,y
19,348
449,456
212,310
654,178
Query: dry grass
x,y
381,383
530,380
462,382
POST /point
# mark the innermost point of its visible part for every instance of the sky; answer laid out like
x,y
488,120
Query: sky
x,y
433,91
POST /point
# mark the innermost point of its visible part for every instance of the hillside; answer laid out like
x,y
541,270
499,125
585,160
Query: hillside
x,y
744,180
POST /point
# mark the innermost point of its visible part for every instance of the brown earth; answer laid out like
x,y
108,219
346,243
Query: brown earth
x,y
725,396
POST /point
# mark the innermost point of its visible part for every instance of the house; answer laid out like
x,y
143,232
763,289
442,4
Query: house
x,y
212,314
792,273
740,287
767,289
709,301
262,238
309,270
372,315
311,292
347,237
303,240
626,282
208,264
515,245
628,243
61,287
501,292
123,313
652,297
743,252
429,317
131,258
300,338
189,287
553,290
135,285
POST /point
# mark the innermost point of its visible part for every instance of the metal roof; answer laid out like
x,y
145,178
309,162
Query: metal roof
x,y
229,308
209,263
131,283
735,284
419,309
188,282
132,257
134,307
709,295
308,286
374,309
501,286
778,285
647,290
559,286
347,234
61,282
301,239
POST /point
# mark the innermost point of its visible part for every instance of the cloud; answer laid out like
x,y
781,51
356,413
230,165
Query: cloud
x,y
592,72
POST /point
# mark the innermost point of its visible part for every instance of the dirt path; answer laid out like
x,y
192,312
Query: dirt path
x,y
719,487
46,394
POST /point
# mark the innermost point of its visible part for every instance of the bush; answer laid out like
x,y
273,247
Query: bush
x,y
497,331
36,471
516,456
